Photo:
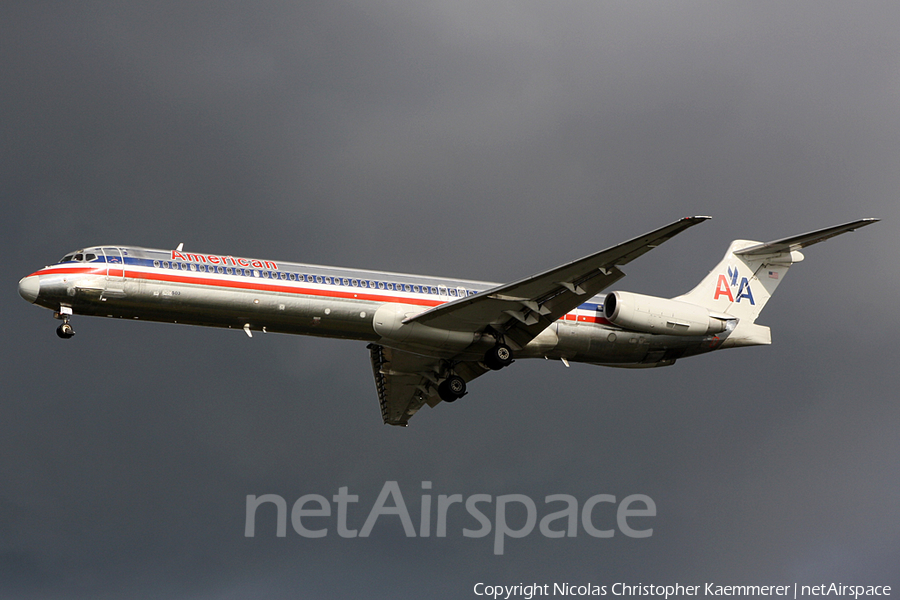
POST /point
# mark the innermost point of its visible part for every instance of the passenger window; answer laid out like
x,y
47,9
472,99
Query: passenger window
x,y
452,292
229,271
193,267
156,263
318,279
380,285
220,269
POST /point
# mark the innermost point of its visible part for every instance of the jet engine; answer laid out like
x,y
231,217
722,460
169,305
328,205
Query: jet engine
x,y
649,314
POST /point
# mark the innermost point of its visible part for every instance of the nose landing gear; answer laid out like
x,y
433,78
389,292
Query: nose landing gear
x,y
65,331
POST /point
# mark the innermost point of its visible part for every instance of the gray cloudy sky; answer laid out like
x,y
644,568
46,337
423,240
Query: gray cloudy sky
x,y
485,140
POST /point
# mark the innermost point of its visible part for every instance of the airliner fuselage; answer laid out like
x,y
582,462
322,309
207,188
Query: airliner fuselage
x,y
429,336
255,295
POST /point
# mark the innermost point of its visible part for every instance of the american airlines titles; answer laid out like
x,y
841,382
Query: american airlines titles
x,y
223,260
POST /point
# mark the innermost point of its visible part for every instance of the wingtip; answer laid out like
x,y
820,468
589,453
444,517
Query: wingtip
x,y
864,222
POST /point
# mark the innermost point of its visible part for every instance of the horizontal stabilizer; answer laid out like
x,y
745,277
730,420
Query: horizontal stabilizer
x,y
797,242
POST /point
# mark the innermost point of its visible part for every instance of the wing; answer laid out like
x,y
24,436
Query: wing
x,y
522,309
405,381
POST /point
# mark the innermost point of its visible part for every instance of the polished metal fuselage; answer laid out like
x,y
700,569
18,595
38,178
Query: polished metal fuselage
x,y
281,297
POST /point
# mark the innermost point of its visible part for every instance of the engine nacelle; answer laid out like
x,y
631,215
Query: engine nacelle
x,y
388,323
649,314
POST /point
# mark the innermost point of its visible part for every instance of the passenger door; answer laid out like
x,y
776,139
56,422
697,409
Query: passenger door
x,y
115,272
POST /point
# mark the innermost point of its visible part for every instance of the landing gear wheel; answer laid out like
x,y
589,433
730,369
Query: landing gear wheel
x,y
452,388
65,331
498,357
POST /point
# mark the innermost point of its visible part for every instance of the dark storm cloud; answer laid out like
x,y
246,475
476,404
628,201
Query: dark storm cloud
x,y
482,140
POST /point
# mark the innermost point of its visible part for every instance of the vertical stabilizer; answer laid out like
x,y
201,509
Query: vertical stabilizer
x,y
741,285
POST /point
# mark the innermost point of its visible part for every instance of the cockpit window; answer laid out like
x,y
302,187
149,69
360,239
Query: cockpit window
x,y
67,258
90,257
79,257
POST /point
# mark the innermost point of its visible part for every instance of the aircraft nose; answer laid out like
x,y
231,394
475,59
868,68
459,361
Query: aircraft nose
x,y
29,287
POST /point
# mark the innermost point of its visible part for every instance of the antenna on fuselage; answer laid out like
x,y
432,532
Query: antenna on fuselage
x,y
180,247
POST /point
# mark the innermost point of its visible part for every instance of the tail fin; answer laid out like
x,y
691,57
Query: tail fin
x,y
742,283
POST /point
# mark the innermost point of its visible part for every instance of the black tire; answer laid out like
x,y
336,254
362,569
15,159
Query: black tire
x,y
457,385
452,388
65,331
498,357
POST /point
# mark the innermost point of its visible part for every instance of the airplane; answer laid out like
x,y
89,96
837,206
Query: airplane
x,y
428,337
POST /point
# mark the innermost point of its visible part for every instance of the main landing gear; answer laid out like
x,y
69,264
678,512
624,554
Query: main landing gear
x,y
498,357
452,389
